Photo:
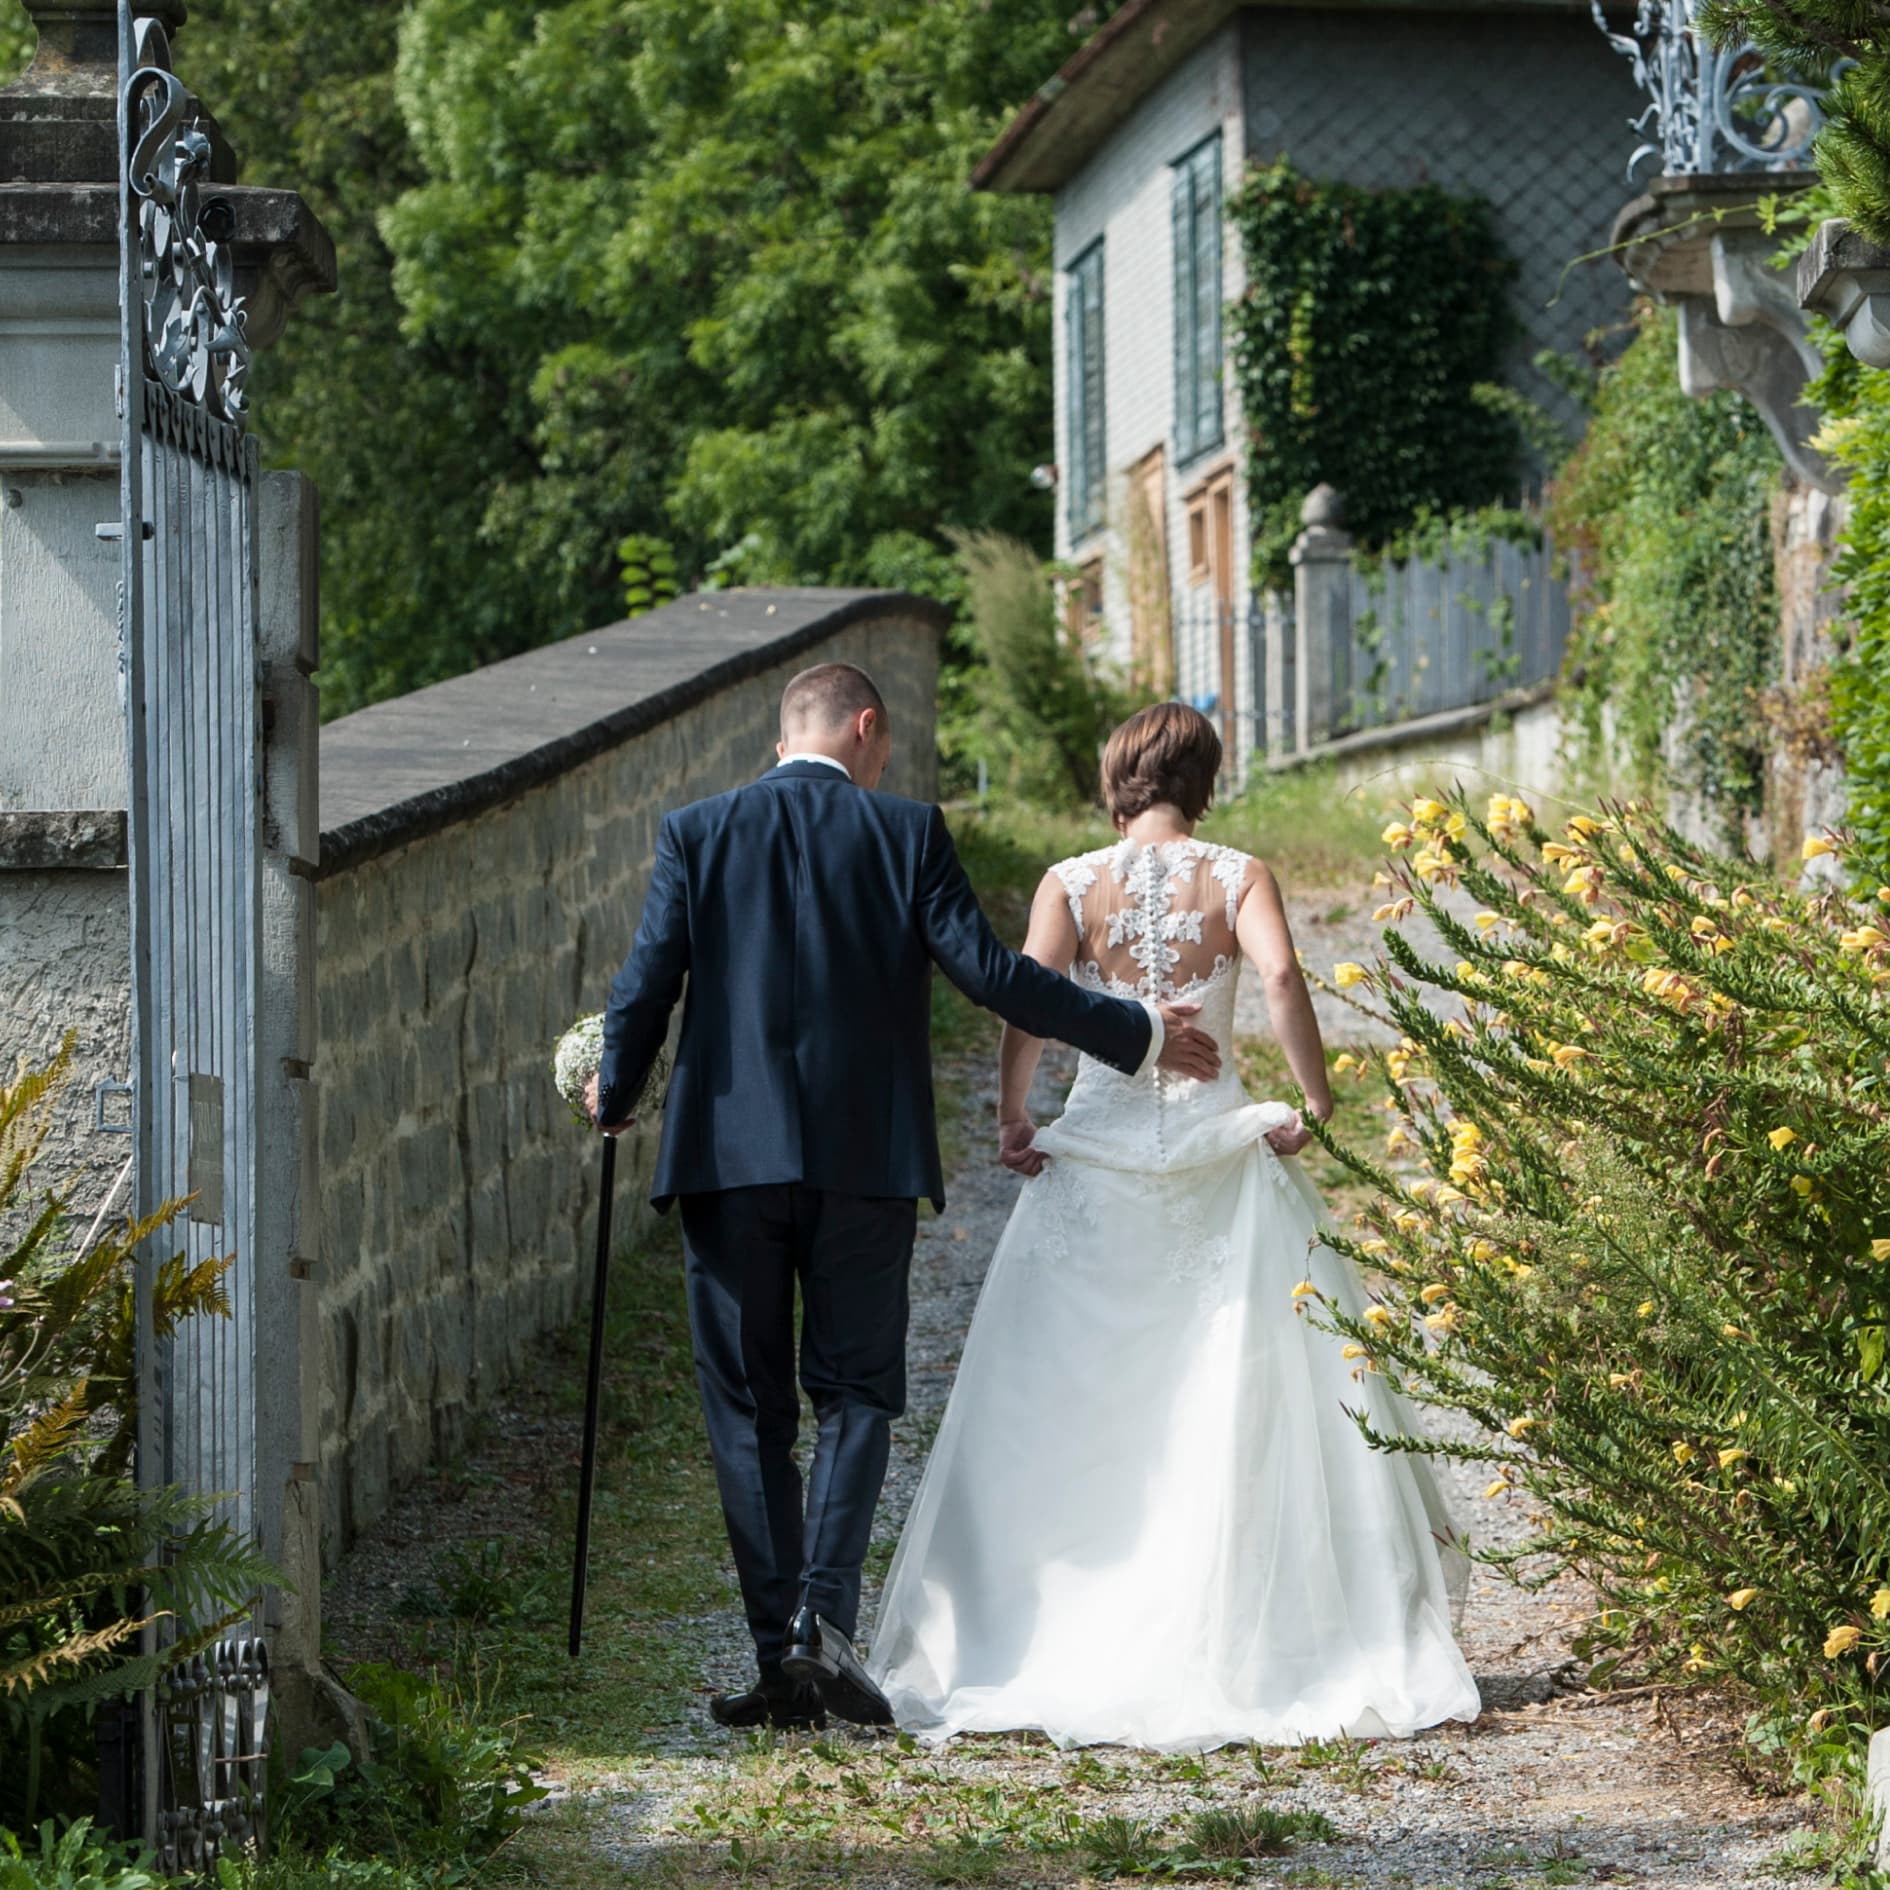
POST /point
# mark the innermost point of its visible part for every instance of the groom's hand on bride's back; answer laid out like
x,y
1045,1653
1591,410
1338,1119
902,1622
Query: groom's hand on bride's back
x,y
1186,1049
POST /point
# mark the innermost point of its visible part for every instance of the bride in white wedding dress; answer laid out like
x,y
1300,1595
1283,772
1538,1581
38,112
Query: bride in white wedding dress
x,y
1148,1519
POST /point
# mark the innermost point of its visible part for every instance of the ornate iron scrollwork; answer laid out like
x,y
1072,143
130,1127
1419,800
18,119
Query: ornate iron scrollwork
x,y
1711,111
194,321
213,1744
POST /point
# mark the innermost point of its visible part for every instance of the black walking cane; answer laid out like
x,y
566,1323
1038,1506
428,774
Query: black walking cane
x,y
593,1390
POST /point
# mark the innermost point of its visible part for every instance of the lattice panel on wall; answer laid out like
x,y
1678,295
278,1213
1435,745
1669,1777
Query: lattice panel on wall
x,y
1530,113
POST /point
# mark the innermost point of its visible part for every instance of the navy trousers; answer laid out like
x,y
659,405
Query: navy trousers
x,y
851,1256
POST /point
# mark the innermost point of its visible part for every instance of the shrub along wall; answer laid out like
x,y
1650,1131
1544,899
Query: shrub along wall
x,y
1371,321
1666,508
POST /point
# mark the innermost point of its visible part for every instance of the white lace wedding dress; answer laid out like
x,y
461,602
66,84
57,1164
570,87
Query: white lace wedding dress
x,y
1147,1519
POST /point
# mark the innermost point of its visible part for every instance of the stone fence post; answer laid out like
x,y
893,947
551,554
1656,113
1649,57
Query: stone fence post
x,y
1322,615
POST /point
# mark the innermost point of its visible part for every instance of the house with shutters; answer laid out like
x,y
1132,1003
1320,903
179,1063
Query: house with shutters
x,y
1138,141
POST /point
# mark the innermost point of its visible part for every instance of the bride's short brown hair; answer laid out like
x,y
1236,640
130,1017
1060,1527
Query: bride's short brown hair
x,y
1167,752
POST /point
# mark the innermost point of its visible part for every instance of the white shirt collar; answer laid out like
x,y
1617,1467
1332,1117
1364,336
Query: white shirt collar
x,y
825,760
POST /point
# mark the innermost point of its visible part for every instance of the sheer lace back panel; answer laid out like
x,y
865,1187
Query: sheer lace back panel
x,y
1154,921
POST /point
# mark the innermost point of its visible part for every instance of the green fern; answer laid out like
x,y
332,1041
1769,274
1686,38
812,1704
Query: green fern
x,y
89,1562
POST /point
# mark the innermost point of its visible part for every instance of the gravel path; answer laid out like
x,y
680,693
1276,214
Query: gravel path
x,y
1551,1784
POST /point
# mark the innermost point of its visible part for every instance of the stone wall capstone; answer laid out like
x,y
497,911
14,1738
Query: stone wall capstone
x,y
485,848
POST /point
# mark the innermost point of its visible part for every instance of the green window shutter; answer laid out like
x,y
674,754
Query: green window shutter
x,y
1207,296
1181,223
1195,218
1084,354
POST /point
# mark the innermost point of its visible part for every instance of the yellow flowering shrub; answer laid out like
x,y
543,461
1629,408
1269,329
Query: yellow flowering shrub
x,y
1639,1230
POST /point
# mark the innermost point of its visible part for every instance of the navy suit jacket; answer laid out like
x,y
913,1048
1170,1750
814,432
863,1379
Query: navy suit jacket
x,y
805,915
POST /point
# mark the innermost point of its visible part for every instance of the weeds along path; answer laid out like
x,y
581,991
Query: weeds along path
x,y
1552,1784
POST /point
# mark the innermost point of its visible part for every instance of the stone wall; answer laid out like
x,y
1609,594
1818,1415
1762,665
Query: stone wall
x,y
485,848
1804,786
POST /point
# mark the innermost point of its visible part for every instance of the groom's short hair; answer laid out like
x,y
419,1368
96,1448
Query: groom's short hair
x,y
828,696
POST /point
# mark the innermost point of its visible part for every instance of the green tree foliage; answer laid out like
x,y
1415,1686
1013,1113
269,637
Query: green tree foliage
x,y
1856,404
709,276
1666,509
1808,37
1370,323
1647,1248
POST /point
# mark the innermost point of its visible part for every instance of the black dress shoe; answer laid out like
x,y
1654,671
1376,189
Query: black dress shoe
x,y
818,1652
776,1699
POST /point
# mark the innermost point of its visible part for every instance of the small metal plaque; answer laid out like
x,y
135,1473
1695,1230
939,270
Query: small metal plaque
x,y
206,1148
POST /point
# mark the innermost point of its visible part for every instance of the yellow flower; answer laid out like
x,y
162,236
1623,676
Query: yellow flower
x,y
1497,1488
1565,1054
1696,1660
1558,855
1407,1220
1303,1288
1397,836
1729,1457
1880,1605
1482,1250
1883,895
1465,969
1448,1196
1732,1332
1484,920
1379,1316
1866,938
1617,1379
1880,1249
1645,1309
1682,1451
1352,1351
1841,1639
1374,1245
1819,1720
1432,1293
1397,1139
1584,825
1397,909
1802,1186
1444,1319
1521,1427
1782,1137
1456,826
1427,863
1427,812
1739,1597
1345,976
1814,848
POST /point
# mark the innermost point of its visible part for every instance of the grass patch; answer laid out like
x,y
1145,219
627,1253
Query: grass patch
x,y
1356,1120
498,1607
1312,832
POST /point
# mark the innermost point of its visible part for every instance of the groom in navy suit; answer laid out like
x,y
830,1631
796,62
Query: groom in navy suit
x,y
803,915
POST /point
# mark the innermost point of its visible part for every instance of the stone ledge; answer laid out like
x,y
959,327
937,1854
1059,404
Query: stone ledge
x,y
399,770
1846,278
1441,722
74,840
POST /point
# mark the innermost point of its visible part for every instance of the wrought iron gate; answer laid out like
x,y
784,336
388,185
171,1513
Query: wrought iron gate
x,y
194,724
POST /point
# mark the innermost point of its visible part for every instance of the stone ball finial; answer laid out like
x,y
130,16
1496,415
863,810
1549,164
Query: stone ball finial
x,y
1323,507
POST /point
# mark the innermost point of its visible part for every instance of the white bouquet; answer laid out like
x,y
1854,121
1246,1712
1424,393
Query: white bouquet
x,y
575,1061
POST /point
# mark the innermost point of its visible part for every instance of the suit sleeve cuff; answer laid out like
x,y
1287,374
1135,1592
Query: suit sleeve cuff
x,y
1157,1035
